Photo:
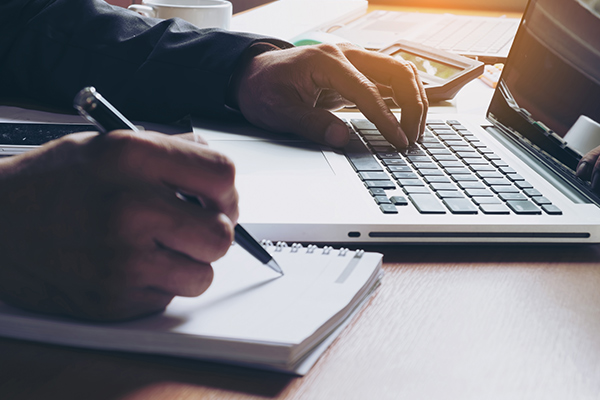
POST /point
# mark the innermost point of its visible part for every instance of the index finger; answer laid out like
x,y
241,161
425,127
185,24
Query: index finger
x,y
402,76
338,73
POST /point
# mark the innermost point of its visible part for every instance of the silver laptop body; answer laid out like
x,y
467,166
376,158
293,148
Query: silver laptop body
x,y
296,191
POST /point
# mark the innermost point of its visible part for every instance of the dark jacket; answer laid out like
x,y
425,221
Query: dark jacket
x,y
148,68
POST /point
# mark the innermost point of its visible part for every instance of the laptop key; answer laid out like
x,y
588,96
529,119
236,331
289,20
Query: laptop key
x,y
399,200
360,157
512,196
443,194
442,186
460,206
393,161
383,149
471,185
362,124
532,192
377,192
399,168
389,156
506,170
489,174
458,126
382,200
373,175
464,177
388,208
380,184
410,182
504,189
482,167
425,140
361,163
515,177
458,171
486,200
427,204
523,185
413,151
491,156
416,189
501,164
431,172
376,141
451,164
445,157
476,160
370,133
425,165
551,209
468,154
419,158
523,207
404,175
433,146
479,193
436,178
494,208
439,151
541,200
496,181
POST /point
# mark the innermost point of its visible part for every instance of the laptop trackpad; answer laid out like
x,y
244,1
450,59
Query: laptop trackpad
x,y
268,157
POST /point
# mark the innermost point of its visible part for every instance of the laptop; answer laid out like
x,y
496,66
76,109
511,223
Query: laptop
x,y
484,38
504,177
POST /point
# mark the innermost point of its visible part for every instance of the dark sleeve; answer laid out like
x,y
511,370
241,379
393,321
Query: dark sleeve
x,y
148,68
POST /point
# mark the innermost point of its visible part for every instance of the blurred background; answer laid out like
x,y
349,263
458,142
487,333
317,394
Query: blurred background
x,y
499,5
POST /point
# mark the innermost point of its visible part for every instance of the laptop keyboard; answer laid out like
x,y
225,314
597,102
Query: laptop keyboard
x,y
450,170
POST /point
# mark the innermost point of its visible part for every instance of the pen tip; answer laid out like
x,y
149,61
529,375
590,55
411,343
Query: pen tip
x,y
274,266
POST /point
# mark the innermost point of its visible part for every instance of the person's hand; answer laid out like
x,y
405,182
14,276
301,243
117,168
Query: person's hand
x,y
92,226
589,168
291,90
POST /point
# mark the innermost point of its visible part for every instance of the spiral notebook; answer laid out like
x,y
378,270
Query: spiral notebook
x,y
249,316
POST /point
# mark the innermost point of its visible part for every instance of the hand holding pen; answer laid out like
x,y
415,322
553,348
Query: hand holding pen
x,y
99,111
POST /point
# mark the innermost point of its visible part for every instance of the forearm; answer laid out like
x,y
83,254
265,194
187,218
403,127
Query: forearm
x,y
150,69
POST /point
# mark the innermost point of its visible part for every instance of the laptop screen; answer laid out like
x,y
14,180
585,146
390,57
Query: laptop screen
x,y
552,75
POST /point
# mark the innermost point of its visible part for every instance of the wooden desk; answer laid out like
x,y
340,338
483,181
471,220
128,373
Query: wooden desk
x,y
448,322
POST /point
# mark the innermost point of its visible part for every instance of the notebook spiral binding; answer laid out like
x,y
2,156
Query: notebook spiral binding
x,y
310,249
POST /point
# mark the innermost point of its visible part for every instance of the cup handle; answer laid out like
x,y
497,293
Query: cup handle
x,y
143,9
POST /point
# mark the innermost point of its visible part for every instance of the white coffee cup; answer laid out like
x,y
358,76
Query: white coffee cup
x,y
584,135
202,13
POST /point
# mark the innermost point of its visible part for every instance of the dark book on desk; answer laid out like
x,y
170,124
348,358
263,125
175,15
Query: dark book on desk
x,y
249,316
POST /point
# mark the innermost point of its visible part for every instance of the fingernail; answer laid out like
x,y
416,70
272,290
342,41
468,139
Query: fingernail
x,y
581,168
337,135
402,139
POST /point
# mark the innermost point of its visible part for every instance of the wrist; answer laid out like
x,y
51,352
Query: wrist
x,y
232,95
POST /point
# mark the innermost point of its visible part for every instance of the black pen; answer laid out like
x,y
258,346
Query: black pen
x,y
96,109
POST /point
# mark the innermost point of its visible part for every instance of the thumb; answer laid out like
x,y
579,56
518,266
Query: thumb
x,y
320,126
